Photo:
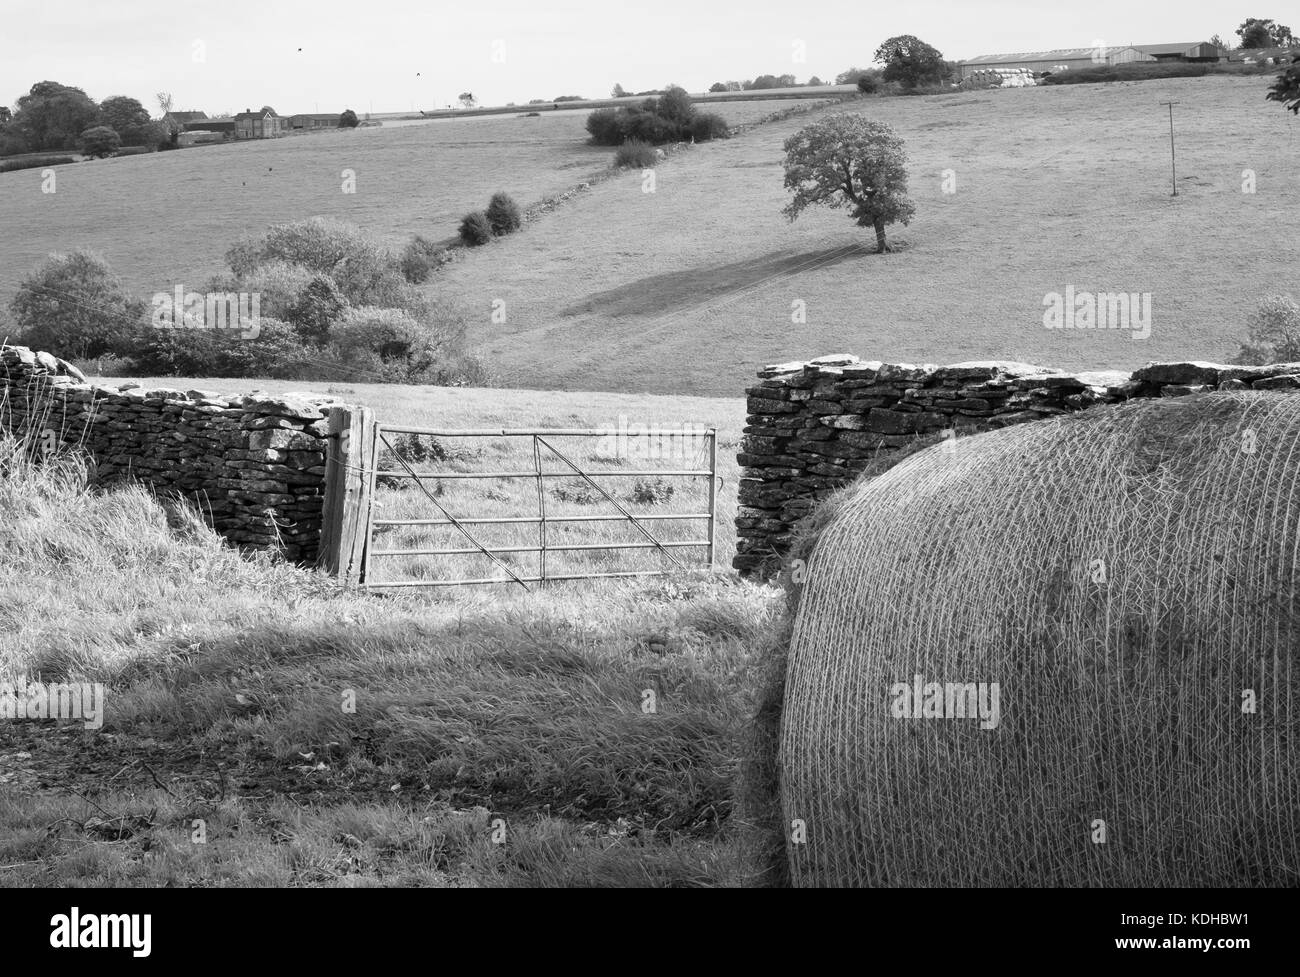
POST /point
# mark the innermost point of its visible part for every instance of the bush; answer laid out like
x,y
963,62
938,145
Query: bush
x,y
475,229
1273,333
334,306
670,118
278,283
365,272
709,125
419,259
405,348
308,300
676,107
503,214
318,306
867,84
655,491
649,127
277,352
637,154
604,128
75,307
348,119
98,142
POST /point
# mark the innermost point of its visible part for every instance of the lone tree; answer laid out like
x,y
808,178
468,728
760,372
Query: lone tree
x,y
911,62
849,161
348,119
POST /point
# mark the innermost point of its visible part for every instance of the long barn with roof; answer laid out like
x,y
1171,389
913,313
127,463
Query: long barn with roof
x,y
1067,59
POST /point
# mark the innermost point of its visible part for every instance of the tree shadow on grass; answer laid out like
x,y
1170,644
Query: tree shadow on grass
x,y
679,290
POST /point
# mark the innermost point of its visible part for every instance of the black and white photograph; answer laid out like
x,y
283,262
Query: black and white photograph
x,y
571,445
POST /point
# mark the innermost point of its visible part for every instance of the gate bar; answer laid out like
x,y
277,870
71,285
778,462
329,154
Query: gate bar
x,y
561,432
534,474
701,543
503,520
527,580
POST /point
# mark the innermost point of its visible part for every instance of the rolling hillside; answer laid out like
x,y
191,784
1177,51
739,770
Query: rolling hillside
x,y
690,288
168,218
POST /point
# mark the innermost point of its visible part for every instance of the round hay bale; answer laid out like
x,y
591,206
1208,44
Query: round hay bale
x,y
1059,654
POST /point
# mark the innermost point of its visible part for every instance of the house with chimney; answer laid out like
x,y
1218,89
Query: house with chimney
x,y
262,124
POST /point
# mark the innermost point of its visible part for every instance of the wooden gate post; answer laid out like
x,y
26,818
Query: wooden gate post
x,y
344,521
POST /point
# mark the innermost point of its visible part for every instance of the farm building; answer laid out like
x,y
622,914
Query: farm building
x,y
314,120
197,137
223,125
1194,51
1066,59
179,120
1062,59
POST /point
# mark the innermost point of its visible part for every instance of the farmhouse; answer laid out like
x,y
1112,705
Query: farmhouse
x,y
258,125
1065,59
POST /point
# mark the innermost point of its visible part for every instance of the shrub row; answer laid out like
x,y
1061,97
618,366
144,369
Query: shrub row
x,y
33,162
1145,71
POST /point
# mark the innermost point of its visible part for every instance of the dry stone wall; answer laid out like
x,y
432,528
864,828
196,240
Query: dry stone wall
x,y
814,427
254,464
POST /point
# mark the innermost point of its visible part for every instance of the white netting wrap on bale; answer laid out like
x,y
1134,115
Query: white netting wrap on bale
x,y
1125,579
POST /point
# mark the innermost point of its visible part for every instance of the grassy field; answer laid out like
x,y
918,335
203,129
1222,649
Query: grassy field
x,y
588,734
170,217
690,288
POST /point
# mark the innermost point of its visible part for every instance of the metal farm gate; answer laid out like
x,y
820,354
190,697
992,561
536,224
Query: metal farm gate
x,y
358,445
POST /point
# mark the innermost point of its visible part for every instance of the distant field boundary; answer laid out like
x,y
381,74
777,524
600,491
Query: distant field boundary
x,y
756,95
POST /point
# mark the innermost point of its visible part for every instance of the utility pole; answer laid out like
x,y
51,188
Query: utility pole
x,y
1173,158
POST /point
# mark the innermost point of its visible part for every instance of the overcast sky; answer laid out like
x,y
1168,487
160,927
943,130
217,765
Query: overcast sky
x,y
396,55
